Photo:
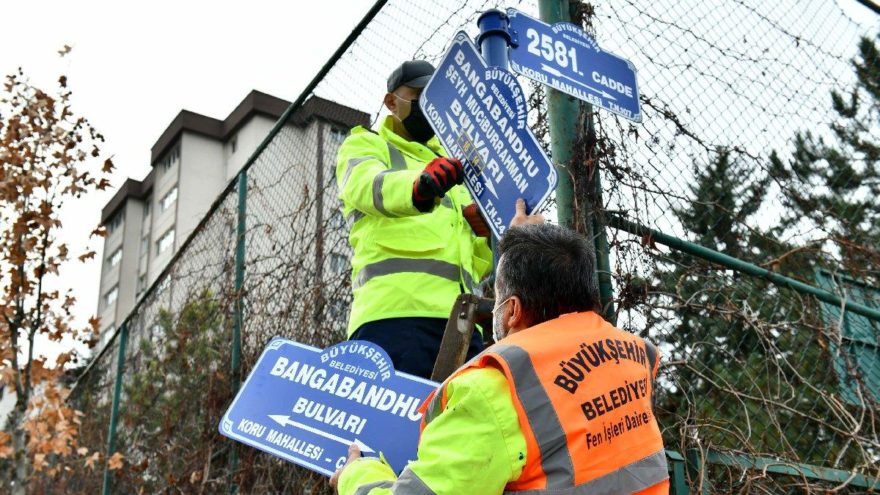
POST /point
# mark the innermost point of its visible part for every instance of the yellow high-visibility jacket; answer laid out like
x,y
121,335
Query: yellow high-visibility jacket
x,y
406,263
474,447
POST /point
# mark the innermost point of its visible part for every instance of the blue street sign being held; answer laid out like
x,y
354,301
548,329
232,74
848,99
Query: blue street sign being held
x,y
563,56
308,406
480,115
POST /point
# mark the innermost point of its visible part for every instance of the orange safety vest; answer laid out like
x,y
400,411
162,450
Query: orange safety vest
x,y
582,391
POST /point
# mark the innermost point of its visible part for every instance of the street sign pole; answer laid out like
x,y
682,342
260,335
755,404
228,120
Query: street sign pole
x,y
494,40
563,112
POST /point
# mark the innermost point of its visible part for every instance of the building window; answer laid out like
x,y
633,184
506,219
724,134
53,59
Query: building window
x,y
169,199
337,219
338,263
141,285
170,159
147,208
114,223
145,245
233,145
164,283
115,258
337,309
337,136
105,336
165,242
111,296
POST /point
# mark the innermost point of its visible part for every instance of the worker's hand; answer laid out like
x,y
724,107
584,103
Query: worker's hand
x,y
354,453
475,219
522,219
439,176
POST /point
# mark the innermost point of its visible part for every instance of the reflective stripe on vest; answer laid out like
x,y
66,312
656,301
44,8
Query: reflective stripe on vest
x,y
356,215
392,266
632,478
365,489
410,484
436,405
555,459
378,200
354,162
398,162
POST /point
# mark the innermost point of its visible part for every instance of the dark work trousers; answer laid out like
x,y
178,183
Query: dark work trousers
x,y
412,343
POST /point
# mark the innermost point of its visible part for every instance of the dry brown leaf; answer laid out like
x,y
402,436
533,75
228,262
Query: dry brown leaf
x,y
92,459
116,461
39,461
101,231
195,477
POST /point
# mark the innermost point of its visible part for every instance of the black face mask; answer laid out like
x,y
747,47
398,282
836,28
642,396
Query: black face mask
x,y
416,124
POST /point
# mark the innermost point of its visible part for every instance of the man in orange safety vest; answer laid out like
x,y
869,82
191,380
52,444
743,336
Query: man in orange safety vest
x,y
562,403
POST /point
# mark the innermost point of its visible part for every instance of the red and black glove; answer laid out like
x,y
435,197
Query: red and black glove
x,y
438,177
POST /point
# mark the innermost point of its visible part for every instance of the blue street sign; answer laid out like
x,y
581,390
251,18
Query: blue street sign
x,y
480,115
308,406
563,56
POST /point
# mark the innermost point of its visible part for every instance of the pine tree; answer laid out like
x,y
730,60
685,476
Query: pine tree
x,y
831,182
731,334
753,360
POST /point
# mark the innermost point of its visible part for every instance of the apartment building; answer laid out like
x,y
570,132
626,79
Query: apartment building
x,y
192,162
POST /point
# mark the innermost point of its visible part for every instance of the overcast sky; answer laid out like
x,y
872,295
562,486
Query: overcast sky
x,y
135,65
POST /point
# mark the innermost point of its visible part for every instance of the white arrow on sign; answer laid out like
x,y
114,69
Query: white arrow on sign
x,y
451,123
286,421
555,72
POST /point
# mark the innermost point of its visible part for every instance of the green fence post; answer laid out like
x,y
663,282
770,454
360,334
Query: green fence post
x,y
600,239
237,311
696,468
677,476
114,411
563,113
794,469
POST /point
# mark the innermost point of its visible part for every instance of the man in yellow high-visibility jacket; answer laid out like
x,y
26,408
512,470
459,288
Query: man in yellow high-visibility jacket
x,y
418,240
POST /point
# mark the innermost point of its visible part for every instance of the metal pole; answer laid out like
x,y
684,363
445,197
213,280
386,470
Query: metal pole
x,y
237,316
741,266
600,240
563,116
114,411
494,40
318,308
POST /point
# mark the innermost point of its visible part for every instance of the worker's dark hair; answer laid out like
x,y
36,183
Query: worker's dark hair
x,y
550,268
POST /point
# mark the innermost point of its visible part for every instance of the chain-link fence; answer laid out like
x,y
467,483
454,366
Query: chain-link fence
x,y
757,379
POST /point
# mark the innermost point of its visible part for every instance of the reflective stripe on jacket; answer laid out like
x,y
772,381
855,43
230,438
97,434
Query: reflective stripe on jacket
x,y
474,447
405,263
582,392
